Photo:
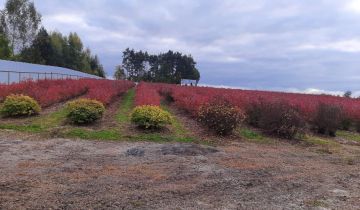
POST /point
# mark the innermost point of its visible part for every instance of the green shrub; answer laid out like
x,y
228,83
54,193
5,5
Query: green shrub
x,y
327,119
150,117
19,105
220,116
84,111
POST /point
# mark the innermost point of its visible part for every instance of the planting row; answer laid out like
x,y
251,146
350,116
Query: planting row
x,y
191,98
148,113
49,92
90,107
106,90
283,114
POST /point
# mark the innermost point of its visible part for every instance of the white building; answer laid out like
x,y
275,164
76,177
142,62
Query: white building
x,y
189,82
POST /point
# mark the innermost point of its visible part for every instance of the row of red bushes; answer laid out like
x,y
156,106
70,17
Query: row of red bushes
x,y
106,90
46,92
147,94
283,114
49,92
191,98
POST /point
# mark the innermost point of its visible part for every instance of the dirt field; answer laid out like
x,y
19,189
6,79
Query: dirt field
x,y
79,174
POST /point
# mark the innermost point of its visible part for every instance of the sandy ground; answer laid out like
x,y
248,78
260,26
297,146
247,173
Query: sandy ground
x,y
77,174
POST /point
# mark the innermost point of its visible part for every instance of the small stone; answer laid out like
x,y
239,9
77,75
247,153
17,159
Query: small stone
x,y
137,152
341,193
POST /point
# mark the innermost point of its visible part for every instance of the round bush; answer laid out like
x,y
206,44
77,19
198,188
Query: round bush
x,y
328,118
19,105
281,119
84,111
150,117
220,116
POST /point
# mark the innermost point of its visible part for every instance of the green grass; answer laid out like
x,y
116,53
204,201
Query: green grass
x,y
316,203
126,106
314,140
23,128
93,135
175,123
324,146
51,120
39,124
253,136
348,135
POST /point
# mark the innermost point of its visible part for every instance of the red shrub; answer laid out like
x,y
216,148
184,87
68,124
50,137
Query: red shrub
x,y
106,90
192,98
147,94
49,92
46,92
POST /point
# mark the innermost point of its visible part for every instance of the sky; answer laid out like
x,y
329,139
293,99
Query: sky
x,y
288,45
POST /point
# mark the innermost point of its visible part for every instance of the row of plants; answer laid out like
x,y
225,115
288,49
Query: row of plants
x,y
146,94
222,113
49,92
282,114
191,98
80,111
91,107
88,109
147,113
46,92
105,91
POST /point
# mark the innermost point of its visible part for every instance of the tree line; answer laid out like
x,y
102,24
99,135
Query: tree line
x,y
22,39
169,67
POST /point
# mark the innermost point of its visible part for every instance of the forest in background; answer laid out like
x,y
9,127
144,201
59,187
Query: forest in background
x,y
22,38
169,67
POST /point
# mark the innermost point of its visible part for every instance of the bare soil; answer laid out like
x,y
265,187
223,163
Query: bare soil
x,y
78,174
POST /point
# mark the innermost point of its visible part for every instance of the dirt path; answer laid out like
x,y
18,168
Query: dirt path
x,y
68,174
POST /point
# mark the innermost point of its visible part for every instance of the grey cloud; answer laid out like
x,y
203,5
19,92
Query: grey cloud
x,y
277,44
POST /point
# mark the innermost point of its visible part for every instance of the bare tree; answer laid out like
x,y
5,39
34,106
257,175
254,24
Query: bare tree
x,y
19,21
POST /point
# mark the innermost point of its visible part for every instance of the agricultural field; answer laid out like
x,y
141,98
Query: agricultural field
x,y
113,144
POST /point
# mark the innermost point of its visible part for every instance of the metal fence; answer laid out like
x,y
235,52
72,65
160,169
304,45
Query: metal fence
x,y
16,76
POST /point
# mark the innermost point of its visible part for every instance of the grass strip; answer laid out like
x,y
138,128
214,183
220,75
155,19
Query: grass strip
x,y
348,135
93,135
126,106
253,136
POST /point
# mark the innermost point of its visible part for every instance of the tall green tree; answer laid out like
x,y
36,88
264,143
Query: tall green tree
x,y
20,22
40,51
5,50
58,44
134,64
96,66
74,54
169,67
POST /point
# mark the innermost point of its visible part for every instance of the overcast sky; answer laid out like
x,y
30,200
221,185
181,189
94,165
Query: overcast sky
x,y
261,44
